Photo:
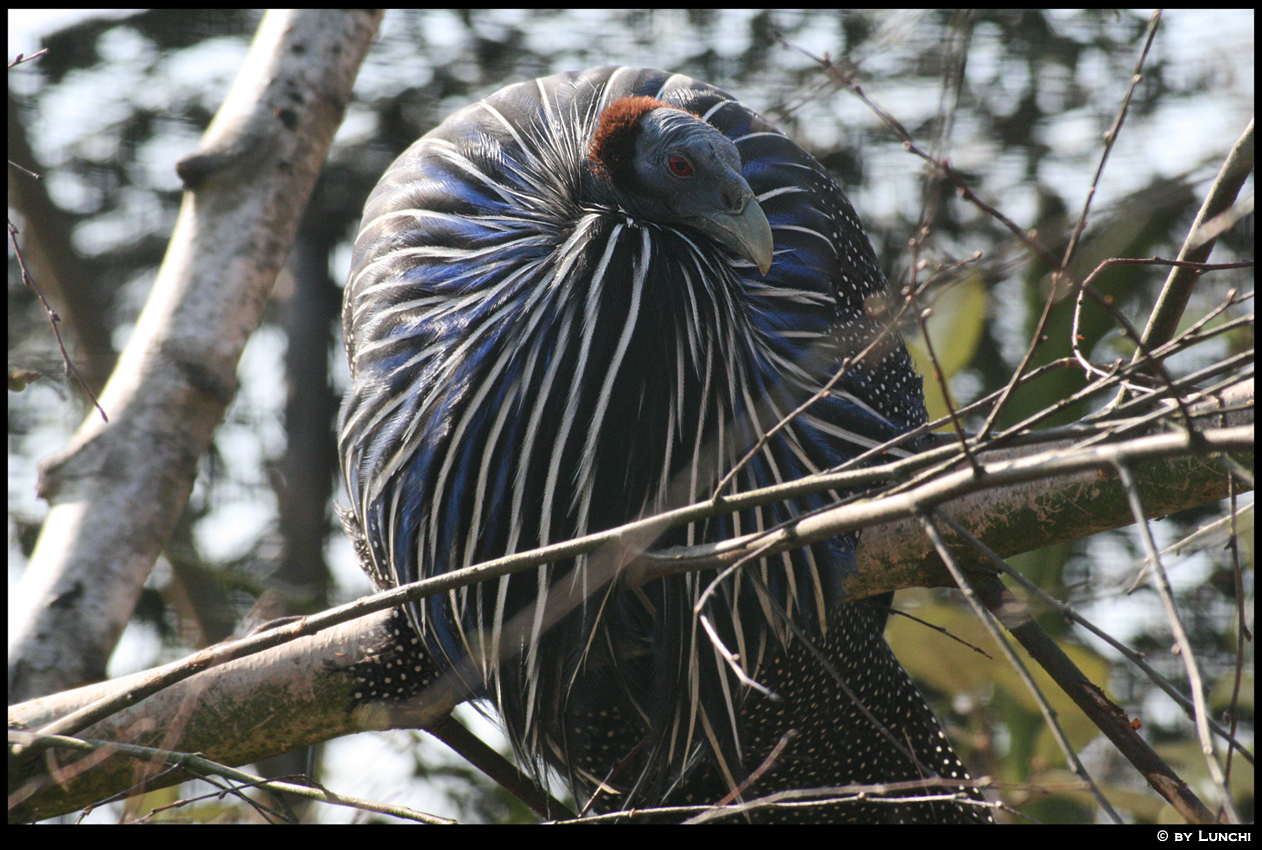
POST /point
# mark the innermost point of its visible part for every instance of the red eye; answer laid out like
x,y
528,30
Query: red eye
x,y
679,166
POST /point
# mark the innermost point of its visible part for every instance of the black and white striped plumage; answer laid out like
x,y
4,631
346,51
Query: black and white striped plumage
x,y
557,323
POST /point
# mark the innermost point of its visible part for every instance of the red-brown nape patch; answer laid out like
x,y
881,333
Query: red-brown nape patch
x,y
613,146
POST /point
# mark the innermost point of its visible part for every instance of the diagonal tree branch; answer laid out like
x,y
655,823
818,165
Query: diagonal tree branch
x,y
118,488
304,690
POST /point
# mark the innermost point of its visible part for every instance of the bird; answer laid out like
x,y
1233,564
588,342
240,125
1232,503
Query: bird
x,y
579,302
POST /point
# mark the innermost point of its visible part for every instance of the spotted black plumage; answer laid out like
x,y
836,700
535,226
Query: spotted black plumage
x,y
578,302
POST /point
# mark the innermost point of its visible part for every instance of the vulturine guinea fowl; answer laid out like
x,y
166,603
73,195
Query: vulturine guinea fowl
x,y
582,301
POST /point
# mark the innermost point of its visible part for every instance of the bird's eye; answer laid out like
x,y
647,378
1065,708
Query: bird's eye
x,y
679,166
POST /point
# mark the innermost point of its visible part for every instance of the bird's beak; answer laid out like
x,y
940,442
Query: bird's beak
x,y
746,232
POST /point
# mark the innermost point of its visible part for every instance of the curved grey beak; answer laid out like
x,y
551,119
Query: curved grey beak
x,y
746,232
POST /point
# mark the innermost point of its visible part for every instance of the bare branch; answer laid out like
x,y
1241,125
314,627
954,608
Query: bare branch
x,y
118,488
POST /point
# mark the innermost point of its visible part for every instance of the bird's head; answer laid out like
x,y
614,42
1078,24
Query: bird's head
x,y
669,166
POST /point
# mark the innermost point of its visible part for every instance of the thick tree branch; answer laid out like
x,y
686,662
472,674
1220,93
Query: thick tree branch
x,y
301,691
117,489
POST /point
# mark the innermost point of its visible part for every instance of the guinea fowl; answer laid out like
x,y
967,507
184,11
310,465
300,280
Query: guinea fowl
x,y
582,301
